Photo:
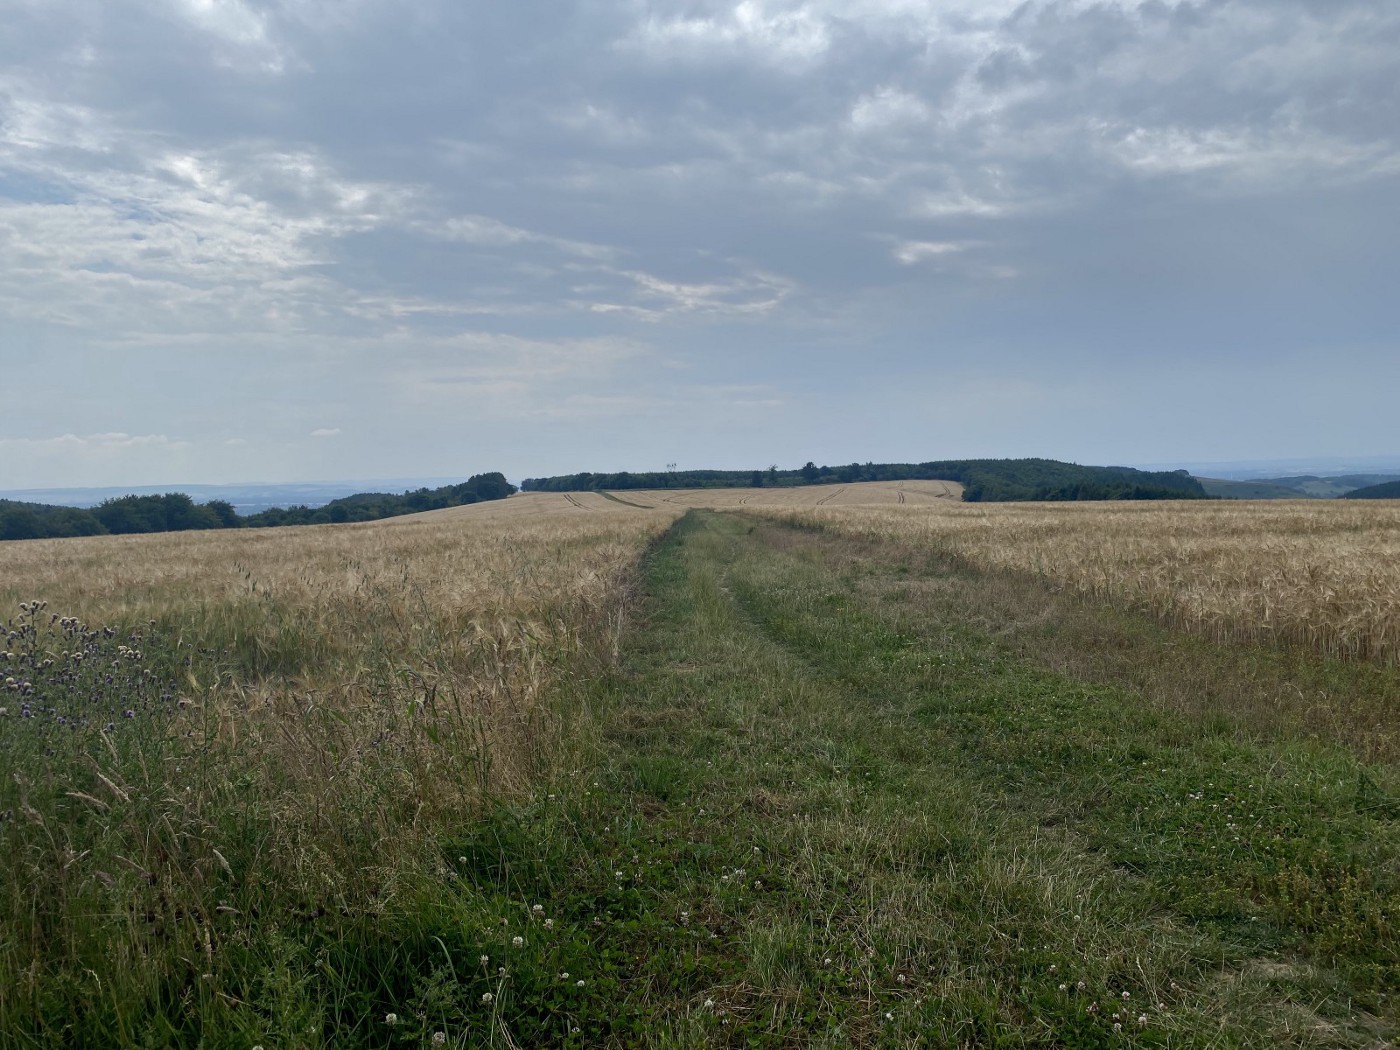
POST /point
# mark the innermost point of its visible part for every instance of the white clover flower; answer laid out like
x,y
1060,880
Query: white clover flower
x,y
578,984
549,924
1064,987
709,1004
518,942
487,997
889,1016
391,1019
538,909
439,1039
485,959
1142,1018
564,976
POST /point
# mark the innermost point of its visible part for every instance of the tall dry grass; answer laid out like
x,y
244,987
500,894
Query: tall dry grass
x,y
1324,575
317,708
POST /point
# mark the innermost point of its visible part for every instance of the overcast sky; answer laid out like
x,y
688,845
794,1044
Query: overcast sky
x,y
293,239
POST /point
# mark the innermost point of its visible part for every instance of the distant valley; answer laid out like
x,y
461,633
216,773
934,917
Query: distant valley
x,y
1303,486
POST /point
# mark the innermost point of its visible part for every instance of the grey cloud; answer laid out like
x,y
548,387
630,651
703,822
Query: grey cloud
x,y
749,190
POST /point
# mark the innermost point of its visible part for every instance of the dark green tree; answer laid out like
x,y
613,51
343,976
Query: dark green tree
x,y
224,513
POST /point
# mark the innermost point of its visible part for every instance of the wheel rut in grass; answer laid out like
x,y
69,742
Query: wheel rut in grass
x,y
820,812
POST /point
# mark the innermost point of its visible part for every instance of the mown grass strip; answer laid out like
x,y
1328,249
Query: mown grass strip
x,y
827,817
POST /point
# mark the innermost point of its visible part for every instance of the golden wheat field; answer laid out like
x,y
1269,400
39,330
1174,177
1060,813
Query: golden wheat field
x,y
1324,574
1321,574
409,654
856,494
450,588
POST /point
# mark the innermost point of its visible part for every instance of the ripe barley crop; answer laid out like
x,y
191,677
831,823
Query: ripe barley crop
x,y
1319,574
306,710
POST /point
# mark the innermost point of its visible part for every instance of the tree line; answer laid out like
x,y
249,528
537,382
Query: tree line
x,y
1386,490
983,480
177,512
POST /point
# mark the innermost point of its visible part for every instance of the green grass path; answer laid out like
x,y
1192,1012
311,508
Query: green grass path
x,y
822,808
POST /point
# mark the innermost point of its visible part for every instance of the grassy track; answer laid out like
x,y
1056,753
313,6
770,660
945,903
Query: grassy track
x,y
826,821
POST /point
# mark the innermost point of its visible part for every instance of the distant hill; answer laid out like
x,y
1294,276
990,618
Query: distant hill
x,y
1389,490
1302,486
247,498
983,480
1222,488
178,512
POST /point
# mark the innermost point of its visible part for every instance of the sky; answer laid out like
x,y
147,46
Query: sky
x,y
285,240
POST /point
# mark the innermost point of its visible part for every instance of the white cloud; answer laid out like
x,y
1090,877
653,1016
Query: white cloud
x,y
753,292
242,31
946,204
485,231
772,32
1246,153
911,252
113,440
326,432
888,108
